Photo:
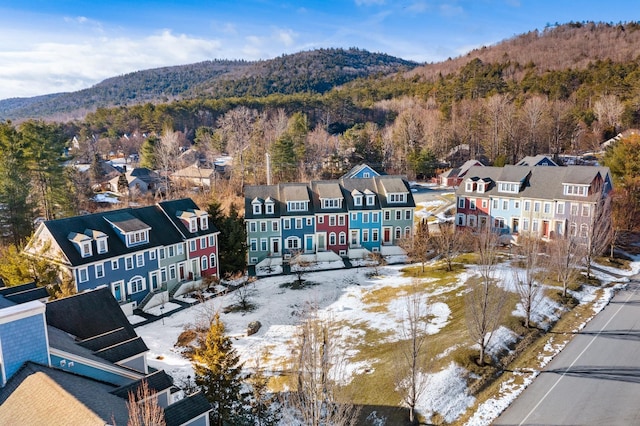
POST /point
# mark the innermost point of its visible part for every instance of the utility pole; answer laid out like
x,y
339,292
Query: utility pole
x,y
268,168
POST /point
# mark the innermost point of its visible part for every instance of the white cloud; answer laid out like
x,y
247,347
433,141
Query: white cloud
x,y
286,37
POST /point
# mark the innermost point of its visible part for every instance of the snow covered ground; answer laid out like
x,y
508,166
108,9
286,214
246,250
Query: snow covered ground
x,y
341,294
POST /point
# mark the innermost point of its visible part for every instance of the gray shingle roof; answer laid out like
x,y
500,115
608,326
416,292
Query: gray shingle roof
x,y
157,382
186,409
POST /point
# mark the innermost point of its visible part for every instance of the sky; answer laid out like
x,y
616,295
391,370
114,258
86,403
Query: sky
x,y
67,45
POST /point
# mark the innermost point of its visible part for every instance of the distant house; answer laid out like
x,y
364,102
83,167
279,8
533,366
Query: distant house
x,y
141,180
75,360
195,175
350,217
363,171
142,254
537,160
454,176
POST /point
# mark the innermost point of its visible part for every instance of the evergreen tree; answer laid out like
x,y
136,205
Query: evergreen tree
x,y
148,153
17,213
218,373
232,240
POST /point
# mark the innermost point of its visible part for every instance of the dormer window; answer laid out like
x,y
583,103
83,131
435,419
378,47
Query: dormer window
x,y
297,206
396,198
204,222
371,199
256,204
576,190
102,245
193,224
269,206
469,186
357,200
82,243
137,237
509,187
331,203
86,249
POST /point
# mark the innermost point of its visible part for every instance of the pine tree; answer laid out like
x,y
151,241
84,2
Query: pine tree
x,y
218,373
232,239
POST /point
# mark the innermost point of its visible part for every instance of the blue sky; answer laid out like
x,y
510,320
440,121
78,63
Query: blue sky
x,y
49,46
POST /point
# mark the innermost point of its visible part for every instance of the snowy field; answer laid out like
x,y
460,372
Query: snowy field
x,y
341,294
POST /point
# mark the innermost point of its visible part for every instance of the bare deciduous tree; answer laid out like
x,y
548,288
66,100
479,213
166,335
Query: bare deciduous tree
x,y
485,301
166,153
410,374
528,264
565,258
449,242
600,230
418,245
317,366
143,407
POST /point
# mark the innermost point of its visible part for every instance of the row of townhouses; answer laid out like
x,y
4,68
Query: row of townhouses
x,y
143,255
545,201
74,361
362,210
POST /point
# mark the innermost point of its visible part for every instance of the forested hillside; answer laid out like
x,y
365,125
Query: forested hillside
x,y
314,71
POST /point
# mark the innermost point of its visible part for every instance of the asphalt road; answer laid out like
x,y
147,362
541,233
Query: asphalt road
x,y
595,380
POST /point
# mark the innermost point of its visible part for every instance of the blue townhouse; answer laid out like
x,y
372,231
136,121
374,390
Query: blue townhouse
x,y
130,250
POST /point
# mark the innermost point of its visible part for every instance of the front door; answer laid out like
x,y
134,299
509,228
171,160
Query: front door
x,y
515,226
545,228
387,235
117,291
354,241
275,246
322,242
181,272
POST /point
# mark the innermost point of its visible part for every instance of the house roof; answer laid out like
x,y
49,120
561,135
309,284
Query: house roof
x,y
128,219
539,182
357,169
186,409
97,322
157,382
171,210
37,394
535,160
194,172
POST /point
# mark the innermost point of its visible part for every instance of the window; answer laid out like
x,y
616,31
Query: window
x,y
536,206
102,245
573,229
99,270
332,239
163,275
525,224
498,222
547,208
192,245
365,235
574,209
407,214
298,223
172,272
397,198
332,220
161,252
460,219
212,261
293,243
139,259
461,203
309,221
398,214
257,208
115,264
297,206
485,204
527,206
505,204
204,263
342,238
472,204
584,230
341,220
269,207
387,215
204,222
357,200
407,232
136,285
135,238
578,190
86,249
212,241
374,235
398,233
365,217
275,225
320,219
495,204
128,262
203,242
509,187
468,187
263,226
83,275
193,224
534,226
252,227
354,216
370,200
560,208
263,244
171,251
254,244
331,203
516,204
286,223
375,217
481,187
152,255
586,208
471,219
